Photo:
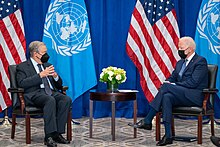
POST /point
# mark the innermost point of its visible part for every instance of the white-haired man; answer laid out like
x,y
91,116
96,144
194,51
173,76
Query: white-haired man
x,y
182,88
41,84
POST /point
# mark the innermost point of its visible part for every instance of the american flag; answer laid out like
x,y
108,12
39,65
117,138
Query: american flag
x,y
152,43
12,45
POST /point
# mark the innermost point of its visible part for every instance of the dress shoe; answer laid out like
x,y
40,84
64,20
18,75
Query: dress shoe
x,y
60,139
165,141
215,140
50,142
142,125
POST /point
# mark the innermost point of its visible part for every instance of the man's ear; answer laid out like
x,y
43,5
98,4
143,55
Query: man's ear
x,y
35,53
191,49
188,50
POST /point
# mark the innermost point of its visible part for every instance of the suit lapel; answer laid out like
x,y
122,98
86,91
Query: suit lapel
x,y
31,67
192,61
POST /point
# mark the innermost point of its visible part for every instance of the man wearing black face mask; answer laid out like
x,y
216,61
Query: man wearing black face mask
x,y
182,88
41,84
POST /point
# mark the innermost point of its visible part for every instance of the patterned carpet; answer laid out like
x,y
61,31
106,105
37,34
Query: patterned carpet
x,y
102,134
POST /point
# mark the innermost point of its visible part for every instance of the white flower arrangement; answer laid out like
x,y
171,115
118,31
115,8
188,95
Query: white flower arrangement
x,y
113,75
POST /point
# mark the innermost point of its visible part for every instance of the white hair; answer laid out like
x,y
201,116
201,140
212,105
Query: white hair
x,y
189,42
34,47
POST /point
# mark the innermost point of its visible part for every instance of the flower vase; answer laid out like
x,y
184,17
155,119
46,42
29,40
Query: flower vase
x,y
112,87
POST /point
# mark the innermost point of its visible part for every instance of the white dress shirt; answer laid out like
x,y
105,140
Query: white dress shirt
x,y
190,58
37,70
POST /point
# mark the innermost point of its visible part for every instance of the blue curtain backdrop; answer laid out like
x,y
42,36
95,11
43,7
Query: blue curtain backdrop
x,y
109,23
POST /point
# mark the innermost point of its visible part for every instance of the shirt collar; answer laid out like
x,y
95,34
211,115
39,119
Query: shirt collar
x,y
34,62
190,57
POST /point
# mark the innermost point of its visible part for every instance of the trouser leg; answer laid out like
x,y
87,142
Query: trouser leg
x,y
48,103
148,119
63,107
173,97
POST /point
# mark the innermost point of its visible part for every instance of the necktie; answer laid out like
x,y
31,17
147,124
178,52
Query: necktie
x,y
183,68
45,82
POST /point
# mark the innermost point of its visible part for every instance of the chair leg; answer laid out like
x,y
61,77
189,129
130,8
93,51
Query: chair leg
x,y
199,133
13,126
173,126
158,126
69,126
212,125
28,129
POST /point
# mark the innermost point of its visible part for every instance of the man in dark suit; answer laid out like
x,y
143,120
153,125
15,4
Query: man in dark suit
x,y
41,84
182,88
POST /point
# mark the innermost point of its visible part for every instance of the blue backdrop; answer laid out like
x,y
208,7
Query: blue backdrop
x,y
109,23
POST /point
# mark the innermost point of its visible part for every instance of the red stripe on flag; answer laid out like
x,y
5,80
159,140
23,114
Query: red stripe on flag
x,y
156,43
4,92
149,41
12,49
152,74
143,82
10,43
4,61
175,36
18,30
165,45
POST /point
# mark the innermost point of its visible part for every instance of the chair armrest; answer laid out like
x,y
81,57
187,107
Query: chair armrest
x,y
20,92
64,89
16,90
210,90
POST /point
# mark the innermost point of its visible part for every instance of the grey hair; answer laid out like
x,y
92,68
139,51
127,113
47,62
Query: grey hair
x,y
34,47
189,42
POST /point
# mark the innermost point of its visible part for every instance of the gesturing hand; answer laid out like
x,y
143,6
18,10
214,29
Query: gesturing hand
x,y
55,74
49,71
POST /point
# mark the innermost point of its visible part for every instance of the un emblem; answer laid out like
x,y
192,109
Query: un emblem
x,y
209,24
66,24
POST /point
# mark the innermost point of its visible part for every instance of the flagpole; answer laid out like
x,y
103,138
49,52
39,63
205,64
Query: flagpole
x,y
5,122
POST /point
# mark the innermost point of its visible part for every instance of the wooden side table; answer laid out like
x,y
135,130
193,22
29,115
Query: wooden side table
x,y
128,95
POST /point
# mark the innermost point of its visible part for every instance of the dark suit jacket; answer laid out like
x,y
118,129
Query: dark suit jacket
x,y
194,78
28,79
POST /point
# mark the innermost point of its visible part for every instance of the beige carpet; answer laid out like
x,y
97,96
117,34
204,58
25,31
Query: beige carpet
x,y
102,134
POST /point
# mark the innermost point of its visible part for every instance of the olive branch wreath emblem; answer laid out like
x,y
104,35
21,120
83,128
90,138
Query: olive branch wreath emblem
x,y
63,50
201,23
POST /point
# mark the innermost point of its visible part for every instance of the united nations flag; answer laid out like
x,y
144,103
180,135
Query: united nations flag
x,y
208,36
67,36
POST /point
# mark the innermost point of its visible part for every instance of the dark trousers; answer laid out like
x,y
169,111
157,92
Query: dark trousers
x,y
168,96
55,108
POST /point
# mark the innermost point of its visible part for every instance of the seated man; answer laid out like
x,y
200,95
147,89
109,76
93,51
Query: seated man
x,y
215,140
41,84
182,88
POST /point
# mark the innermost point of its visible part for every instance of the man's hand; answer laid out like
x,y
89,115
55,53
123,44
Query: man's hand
x,y
55,74
49,71
166,81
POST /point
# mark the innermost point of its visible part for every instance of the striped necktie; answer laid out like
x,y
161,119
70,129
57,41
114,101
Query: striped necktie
x,y
45,82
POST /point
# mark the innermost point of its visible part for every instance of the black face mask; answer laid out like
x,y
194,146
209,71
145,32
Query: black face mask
x,y
45,57
182,54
